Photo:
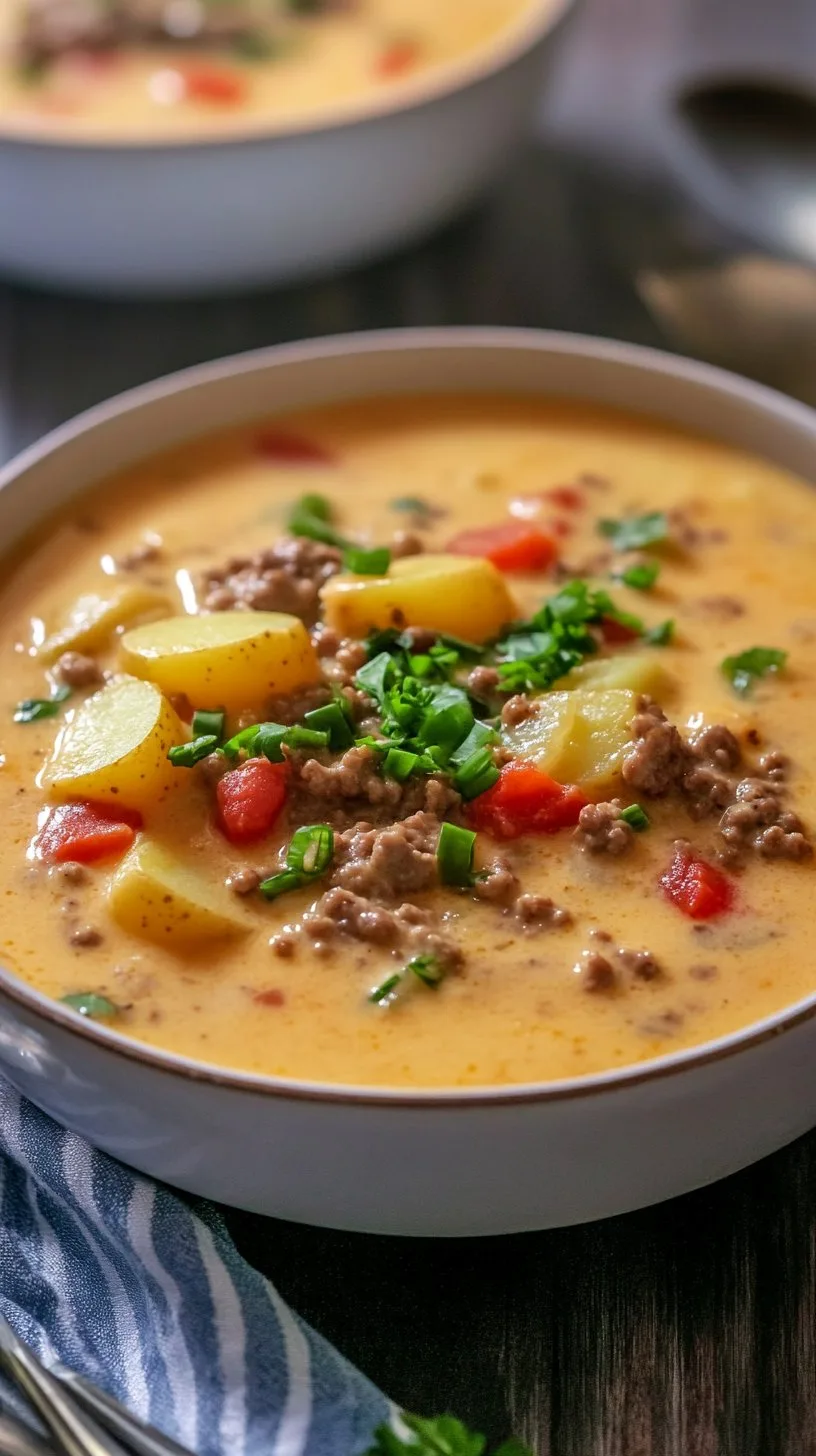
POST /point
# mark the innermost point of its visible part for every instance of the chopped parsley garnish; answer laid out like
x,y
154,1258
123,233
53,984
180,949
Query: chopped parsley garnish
x,y
661,635
309,855
90,1004
311,516
208,723
367,563
439,1436
557,638
33,710
635,532
187,755
454,854
743,670
641,577
635,817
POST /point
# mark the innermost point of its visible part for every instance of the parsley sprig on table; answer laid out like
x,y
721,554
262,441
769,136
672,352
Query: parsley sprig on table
x,y
438,1436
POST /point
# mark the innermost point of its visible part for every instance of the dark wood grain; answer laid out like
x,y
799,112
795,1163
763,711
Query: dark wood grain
x,y
685,1330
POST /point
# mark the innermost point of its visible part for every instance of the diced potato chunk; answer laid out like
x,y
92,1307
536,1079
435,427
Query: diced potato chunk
x,y
227,659
155,895
114,747
638,672
578,737
463,595
94,619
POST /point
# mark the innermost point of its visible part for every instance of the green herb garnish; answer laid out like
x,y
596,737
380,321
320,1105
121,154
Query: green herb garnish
x,y
300,737
661,635
481,735
33,710
427,968
635,817
743,670
207,723
400,764
311,516
476,775
635,532
641,577
439,1436
90,1004
367,563
454,855
310,852
187,755
386,988
331,719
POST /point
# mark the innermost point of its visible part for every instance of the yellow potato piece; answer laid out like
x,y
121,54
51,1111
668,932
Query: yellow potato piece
x,y
161,898
639,672
114,747
226,659
578,737
463,595
94,619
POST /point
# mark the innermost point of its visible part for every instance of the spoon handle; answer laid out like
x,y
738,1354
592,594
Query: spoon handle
x,y
75,1433
142,1439
17,1440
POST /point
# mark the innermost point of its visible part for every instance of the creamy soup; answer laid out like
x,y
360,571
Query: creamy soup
x,y
418,743
177,67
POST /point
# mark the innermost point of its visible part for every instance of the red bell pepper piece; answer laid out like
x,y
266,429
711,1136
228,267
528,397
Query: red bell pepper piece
x,y
284,449
86,832
696,887
617,633
397,58
525,800
250,798
568,497
215,84
512,546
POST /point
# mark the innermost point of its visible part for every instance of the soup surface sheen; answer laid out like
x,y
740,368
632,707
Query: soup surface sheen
x,y
303,63
634,968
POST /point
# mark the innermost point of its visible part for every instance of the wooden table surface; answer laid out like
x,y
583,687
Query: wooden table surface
x,y
685,1330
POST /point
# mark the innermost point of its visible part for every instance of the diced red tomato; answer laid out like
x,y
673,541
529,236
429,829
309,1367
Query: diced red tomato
x,y
250,798
616,633
525,800
86,832
272,997
397,58
568,497
529,507
216,84
696,887
284,449
512,546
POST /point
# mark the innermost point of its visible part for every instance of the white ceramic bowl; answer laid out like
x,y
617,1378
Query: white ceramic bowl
x,y
239,209
459,1162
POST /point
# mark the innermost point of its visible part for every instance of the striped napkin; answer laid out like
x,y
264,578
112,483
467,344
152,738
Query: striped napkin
x,y
145,1293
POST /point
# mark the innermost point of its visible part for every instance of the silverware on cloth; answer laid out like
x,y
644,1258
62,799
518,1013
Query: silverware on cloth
x,y
17,1440
79,1416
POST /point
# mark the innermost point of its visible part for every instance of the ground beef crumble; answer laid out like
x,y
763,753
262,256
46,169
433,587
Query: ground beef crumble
x,y
76,670
601,830
286,577
340,790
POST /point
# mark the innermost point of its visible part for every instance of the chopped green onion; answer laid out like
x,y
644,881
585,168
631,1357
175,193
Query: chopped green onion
x,y
243,741
476,775
454,854
311,849
400,765
371,678
90,1004
753,663
641,577
635,817
386,988
480,736
32,710
206,723
311,516
661,635
187,755
282,884
421,666
636,531
446,727
332,720
428,968
298,737
269,741
367,563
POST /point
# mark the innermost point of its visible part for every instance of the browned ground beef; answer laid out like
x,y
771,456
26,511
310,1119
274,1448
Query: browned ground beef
x,y
539,910
343,789
53,26
404,929
657,760
406,543
286,577
601,971
602,831
724,608
391,862
293,707
517,710
595,972
78,671
483,682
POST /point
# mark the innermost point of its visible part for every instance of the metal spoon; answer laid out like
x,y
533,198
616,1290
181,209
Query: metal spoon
x,y
17,1440
75,1433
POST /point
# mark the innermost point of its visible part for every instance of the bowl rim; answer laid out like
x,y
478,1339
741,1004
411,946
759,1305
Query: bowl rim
x,y
395,341
534,23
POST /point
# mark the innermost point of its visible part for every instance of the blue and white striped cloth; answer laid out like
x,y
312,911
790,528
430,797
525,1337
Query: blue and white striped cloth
x,y
146,1294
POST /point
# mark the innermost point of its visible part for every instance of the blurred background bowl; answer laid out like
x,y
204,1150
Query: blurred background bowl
x,y
268,206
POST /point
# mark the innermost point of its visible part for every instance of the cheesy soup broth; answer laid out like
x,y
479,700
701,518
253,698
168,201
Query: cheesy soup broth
x,y
566,954
143,69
